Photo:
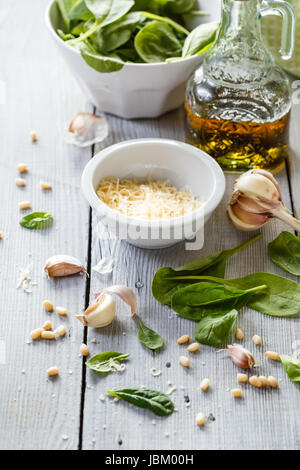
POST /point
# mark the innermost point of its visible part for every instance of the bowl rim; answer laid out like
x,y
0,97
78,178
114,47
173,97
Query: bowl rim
x,y
208,207
126,64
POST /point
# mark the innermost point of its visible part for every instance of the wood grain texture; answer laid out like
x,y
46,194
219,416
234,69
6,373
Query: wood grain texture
x,y
35,413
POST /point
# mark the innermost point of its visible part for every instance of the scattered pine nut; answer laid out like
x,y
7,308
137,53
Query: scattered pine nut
x,y
237,393
47,325
239,334
52,371
20,182
255,381
48,335
242,378
24,205
256,340
61,311
45,185
272,382
22,167
193,347
48,306
84,350
200,419
183,339
36,334
205,385
1,235
61,330
33,136
184,361
274,356
264,380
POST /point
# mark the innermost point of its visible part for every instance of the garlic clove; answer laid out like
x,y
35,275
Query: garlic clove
x,y
256,185
63,265
87,129
241,356
244,221
100,313
125,293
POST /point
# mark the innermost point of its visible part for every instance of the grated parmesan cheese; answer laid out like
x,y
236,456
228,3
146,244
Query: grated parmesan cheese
x,y
148,200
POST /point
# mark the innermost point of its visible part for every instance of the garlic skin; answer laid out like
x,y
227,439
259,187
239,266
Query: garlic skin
x,y
63,265
125,293
86,129
100,313
241,356
256,199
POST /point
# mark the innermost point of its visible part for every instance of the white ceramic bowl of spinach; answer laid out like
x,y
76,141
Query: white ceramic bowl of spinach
x,y
182,164
113,80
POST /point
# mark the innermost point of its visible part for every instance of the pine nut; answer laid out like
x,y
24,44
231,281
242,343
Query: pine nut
x,y
22,167
48,306
193,347
184,361
36,334
272,382
45,185
183,339
200,419
47,325
274,356
84,350
242,378
20,182
61,311
24,205
256,340
48,335
239,334
205,384
255,381
52,371
33,136
1,235
264,380
237,392
61,330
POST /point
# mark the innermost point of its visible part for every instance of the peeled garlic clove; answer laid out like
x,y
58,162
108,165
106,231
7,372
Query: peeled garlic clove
x,y
125,293
63,265
87,129
241,356
100,313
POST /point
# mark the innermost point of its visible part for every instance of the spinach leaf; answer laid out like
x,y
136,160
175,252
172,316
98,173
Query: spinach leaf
x,y
106,362
99,62
200,39
178,7
285,252
207,298
164,19
115,35
64,7
165,284
79,11
149,338
157,41
36,220
292,367
215,329
109,10
157,402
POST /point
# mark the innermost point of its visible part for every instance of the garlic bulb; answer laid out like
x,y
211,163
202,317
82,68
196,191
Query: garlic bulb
x,y
100,313
63,265
256,199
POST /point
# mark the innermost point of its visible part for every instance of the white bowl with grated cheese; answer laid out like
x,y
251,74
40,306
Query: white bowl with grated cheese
x,y
178,164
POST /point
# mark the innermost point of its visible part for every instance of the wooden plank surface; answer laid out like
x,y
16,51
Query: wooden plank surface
x,y
36,413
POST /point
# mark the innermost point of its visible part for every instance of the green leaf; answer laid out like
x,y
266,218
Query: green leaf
x,y
101,63
208,298
292,367
106,362
109,10
80,11
214,330
200,39
157,402
64,7
157,41
36,220
165,284
178,7
149,338
285,252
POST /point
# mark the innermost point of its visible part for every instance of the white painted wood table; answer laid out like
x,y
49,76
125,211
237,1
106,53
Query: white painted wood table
x,y
37,413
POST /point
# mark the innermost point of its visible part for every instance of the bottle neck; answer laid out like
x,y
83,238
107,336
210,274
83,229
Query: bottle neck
x,y
240,17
